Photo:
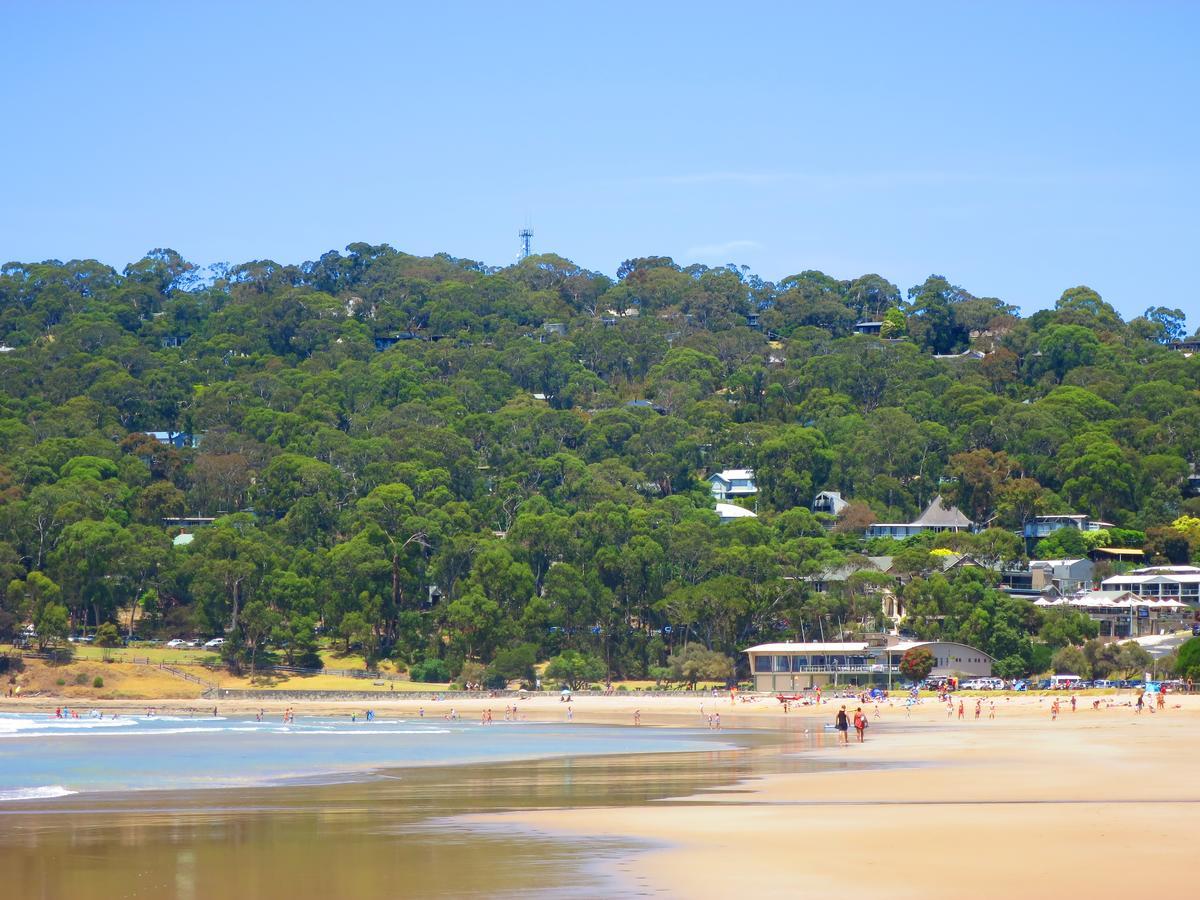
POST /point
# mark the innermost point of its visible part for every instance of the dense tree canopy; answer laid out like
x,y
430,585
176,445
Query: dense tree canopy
x,y
430,458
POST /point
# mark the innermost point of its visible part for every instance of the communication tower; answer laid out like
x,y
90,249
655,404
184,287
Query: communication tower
x,y
526,238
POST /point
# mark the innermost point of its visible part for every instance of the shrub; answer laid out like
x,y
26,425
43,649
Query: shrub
x,y
107,635
97,682
81,678
431,671
61,682
575,669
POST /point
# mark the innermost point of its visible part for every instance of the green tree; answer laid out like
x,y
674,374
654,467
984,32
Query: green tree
x,y
575,669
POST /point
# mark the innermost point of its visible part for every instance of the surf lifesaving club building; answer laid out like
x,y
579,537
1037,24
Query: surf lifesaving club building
x,y
874,662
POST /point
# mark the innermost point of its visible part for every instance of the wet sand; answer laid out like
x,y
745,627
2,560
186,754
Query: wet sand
x,y
399,834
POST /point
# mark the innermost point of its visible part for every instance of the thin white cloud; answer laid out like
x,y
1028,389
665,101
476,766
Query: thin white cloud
x,y
720,251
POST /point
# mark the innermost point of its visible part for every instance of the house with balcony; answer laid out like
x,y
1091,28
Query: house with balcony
x,y
732,484
936,517
1123,615
871,662
1180,583
829,502
1043,526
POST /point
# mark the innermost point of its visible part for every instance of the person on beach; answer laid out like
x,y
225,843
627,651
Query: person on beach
x,y
1140,701
1054,710
978,708
637,717
860,723
1162,696
961,709
570,713
716,721
842,725
991,709
1072,703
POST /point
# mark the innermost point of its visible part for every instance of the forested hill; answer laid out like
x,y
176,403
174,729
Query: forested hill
x,y
432,458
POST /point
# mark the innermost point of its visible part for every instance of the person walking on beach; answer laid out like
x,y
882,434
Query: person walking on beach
x,y
1072,703
860,723
991,709
637,717
1162,696
1054,710
978,708
961,709
1140,700
842,725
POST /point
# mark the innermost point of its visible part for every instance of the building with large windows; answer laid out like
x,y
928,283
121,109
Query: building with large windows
x,y
872,662
1159,583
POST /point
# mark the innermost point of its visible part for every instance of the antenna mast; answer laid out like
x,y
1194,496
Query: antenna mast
x,y
526,238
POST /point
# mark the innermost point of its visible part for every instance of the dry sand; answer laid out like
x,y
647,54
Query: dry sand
x,y
1101,803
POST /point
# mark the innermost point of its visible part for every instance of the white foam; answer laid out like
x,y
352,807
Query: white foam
x,y
45,792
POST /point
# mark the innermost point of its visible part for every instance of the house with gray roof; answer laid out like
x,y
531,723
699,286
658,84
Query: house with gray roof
x,y
937,516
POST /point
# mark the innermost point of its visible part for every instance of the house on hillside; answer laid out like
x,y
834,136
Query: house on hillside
x,y
1043,526
829,502
1065,576
727,512
178,439
730,484
936,517
868,327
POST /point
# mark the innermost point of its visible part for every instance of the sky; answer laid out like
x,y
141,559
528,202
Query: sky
x,y
1016,148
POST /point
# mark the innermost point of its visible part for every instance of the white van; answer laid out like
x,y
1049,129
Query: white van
x,y
1063,682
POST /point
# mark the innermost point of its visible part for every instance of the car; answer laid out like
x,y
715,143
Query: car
x,y
1104,683
214,643
176,643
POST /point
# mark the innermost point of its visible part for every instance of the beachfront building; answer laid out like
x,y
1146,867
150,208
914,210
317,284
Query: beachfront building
x,y
731,484
872,662
936,517
1123,614
1180,583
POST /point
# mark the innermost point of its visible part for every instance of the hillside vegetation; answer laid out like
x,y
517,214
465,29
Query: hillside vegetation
x,y
429,459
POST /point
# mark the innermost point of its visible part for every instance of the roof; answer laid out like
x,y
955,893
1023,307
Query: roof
x,y
813,647
182,540
852,647
732,474
1166,570
939,515
1119,551
729,511
1055,562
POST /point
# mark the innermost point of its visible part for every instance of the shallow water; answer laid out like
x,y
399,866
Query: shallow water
x,y
383,833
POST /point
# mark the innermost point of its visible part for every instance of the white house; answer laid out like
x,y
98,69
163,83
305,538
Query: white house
x,y
936,517
728,512
733,483
830,502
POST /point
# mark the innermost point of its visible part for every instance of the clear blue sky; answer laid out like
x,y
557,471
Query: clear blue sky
x,y
1016,148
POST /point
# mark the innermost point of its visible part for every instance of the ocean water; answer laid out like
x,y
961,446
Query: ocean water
x,y
44,757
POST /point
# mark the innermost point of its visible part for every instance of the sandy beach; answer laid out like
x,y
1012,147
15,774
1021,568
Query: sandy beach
x,y
1100,802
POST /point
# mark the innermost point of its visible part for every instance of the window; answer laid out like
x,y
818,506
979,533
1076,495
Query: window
x,y
799,662
783,664
762,664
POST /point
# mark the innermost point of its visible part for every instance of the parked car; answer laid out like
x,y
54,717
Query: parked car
x,y
176,643
1104,683
214,644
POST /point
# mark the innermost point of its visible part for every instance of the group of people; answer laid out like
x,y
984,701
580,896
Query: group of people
x,y
842,723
